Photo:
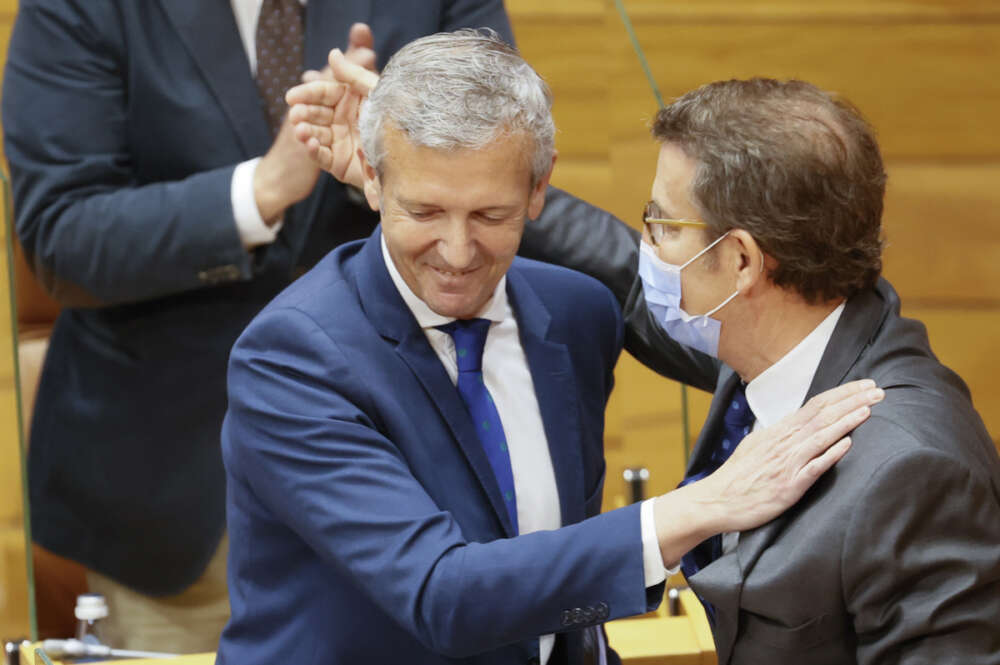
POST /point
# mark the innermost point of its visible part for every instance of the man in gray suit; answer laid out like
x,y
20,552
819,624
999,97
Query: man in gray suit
x,y
766,217
758,279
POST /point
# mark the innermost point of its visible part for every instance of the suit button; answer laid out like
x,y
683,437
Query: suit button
x,y
577,615
567,618
603,611
589,614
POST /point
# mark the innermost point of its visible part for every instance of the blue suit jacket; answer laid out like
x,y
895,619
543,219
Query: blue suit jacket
x,y
123,122
365,523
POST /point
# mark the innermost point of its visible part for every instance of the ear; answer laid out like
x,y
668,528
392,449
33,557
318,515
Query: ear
x,y
372,186
537,200
749,262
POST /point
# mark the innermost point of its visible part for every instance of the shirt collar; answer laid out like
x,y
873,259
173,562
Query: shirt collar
x,y
782,387
494,310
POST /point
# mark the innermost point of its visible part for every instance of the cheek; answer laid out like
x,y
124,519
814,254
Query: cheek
x,y
406,246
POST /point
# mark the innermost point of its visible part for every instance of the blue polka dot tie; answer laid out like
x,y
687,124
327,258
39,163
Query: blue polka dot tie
x,y
736,424
280,45
470,339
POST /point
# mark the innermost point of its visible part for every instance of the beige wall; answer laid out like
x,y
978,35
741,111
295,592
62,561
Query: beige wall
x,y
925,72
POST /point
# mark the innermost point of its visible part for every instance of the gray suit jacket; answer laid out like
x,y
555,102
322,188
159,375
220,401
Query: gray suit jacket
x,y
894,556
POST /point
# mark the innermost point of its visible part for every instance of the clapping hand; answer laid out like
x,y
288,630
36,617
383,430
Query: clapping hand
x,y
324,109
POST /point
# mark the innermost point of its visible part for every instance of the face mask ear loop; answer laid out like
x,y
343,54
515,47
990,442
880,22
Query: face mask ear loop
x,y
693,258
721,305
735,293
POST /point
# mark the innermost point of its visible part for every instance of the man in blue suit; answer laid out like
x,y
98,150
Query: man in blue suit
x,y
158,203
413,444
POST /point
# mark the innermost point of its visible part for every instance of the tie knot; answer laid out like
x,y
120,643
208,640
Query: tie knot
x,y
469,336
739,413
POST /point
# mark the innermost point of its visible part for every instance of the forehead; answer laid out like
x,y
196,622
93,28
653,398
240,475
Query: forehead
x,y
499,165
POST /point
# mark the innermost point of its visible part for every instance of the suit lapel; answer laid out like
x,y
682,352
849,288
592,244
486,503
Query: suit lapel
x,y
418,354
857,328
722,582
555,389
388,312
208,31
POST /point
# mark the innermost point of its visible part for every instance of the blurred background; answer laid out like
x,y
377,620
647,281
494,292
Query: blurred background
x,y
926,73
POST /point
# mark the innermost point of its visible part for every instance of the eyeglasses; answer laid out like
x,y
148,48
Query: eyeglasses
x,y
654,224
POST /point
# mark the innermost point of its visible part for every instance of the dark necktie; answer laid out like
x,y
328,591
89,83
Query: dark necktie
x,y
470,339
736,424
280,44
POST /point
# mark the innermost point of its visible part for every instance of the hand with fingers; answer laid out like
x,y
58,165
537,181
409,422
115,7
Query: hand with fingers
x,y
768,472
324,110
288,172
773,467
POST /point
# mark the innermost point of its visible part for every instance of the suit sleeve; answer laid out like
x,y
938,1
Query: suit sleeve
x,y
922,564
93,231
301,433
572,233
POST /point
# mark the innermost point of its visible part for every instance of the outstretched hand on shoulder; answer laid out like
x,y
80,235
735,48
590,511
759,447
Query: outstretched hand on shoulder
x,y
768,472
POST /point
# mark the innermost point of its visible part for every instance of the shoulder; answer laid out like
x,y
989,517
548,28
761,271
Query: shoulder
x,y
917,434
325,298
555,284
583,313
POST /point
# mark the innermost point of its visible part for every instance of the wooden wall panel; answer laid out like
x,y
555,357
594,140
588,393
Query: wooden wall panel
x,y
10,469
553,11
932,90
578,72
778,11
648,430
14,618
8,9
942,226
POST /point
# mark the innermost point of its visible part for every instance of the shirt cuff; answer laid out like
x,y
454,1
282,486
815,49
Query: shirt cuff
x,y
249,224
652,560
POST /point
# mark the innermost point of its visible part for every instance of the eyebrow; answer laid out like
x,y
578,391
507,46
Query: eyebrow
x,y
407,203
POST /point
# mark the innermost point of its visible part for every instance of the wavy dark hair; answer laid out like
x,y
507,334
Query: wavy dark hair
x,y
797,168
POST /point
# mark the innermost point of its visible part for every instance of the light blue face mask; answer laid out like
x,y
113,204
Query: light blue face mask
x,y
661,283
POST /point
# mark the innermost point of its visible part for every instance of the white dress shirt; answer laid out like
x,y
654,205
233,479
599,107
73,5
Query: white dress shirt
x,y
782,387
508,378
250,225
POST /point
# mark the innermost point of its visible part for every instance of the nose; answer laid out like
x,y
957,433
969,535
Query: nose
x,y
456,244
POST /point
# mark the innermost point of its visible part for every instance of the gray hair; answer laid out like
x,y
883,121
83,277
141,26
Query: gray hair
x,y
459,90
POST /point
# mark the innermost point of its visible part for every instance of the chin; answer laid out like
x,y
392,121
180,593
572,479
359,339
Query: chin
x,y
454,308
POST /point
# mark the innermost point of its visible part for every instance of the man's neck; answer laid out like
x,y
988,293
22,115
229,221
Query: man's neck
x,y
777,324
